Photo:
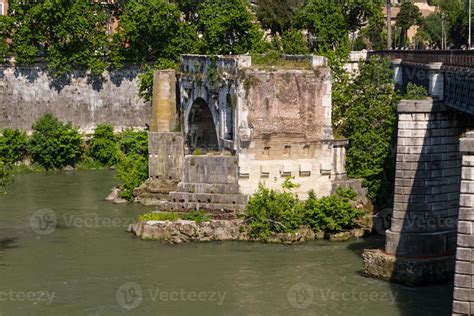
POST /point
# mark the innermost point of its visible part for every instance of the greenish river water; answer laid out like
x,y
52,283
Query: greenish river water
x,y
88,264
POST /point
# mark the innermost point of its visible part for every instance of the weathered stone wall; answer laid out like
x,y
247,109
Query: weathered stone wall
x,y
427,181
166,155
287,114
26,93
463,303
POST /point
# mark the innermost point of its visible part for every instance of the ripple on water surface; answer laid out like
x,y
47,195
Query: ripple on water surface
x,y
88,265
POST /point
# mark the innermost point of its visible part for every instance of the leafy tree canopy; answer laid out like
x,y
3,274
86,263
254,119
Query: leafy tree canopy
x,y
228,27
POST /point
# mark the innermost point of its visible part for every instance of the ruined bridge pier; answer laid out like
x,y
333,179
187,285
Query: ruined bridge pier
x,y
431,238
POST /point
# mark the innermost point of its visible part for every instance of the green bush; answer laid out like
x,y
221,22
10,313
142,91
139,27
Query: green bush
x,y
197,216
332,213
13,145
158,216
55,144
132,171
132,165
133,142
103,146
270,211
415,92
5,176
282,212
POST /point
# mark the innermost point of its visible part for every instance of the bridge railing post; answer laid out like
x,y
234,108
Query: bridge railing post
x,y
436,81
396,65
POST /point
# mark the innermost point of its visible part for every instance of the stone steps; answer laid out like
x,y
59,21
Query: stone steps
x,y
185,197
217,210
216,188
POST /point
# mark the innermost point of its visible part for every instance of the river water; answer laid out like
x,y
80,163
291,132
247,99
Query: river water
x,y
65,251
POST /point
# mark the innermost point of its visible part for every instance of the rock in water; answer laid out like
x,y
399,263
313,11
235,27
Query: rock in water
x,y
114,194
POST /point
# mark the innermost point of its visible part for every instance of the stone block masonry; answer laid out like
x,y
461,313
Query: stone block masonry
x,y
427,181
28,92
427,201
463,303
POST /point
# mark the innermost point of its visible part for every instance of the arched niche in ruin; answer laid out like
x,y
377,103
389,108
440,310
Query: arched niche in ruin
x,y
202,130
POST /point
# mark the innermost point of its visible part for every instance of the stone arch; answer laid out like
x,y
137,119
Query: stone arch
x,y
201,132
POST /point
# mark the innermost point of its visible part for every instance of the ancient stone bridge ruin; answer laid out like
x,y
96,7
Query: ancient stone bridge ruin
x,y
432,233
222,125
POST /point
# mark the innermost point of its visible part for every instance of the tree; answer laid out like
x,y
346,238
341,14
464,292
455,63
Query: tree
x,y
362,13
364,111
432,27
294,42
152,29
326,21
409,16
189,8
456,13
277,15
227,27
70,34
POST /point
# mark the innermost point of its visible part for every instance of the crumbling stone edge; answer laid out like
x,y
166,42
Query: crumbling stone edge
x,y
182,231
408,271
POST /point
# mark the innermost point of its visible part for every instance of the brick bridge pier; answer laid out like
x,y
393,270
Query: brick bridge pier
x,y
431,237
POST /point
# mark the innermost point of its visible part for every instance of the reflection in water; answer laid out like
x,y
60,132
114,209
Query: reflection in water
x,y
88,265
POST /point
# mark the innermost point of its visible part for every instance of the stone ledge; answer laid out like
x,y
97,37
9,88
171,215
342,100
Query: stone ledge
x,y
182,231
421,106
407,271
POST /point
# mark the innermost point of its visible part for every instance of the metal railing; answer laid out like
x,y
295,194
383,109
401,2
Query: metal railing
x,y
455,58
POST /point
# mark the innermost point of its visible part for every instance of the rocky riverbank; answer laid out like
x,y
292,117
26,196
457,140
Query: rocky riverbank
x,y
181,231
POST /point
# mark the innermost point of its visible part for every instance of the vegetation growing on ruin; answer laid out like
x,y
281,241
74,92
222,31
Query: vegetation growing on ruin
x,y
197,216
158,216
415,92
270,211
276,60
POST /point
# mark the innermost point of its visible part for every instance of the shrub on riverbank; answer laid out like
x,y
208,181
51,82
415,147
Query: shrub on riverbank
x,y
132,171
103,145
133,142
55,144
270,211
5,176
13,145
333,213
